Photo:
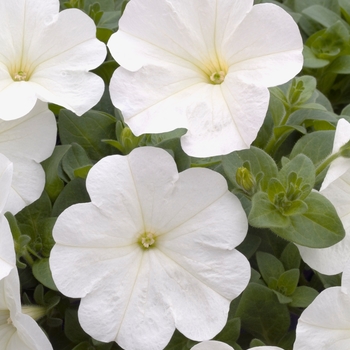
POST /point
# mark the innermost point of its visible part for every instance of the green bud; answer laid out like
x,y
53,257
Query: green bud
x,y
246,180
128,140
36,312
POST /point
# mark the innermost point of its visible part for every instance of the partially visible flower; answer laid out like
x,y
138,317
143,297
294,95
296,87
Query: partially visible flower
x,y
7,251
204,65
17,330
218,345
46,55
27,142
336,188
325,323
152,251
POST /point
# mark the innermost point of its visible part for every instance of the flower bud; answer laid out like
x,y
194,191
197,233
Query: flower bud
x,y
246,180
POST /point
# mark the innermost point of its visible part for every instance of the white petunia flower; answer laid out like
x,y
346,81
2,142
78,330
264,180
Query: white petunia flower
x,y
336,188
27,141
325,323
46,55
218,345
153,251
17,330
7,251
204,65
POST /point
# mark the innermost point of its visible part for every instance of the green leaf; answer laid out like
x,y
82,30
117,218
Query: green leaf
x,y
345,9
288,281
74,192
341,65
264,214
296,207
318,227
72,328
177,342
308,115
249,246
282,299
260,163
256,342
87,131
45,227
303,296
106,70
53,184
304,169
103,34
42,272
316,146
311,60
269,266
30,217
323,16
261,314
75,158
183,161
290,257
230,332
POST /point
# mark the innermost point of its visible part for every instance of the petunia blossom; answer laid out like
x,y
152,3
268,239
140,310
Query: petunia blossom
x,y
336,188
218,345
203,65
26,142
7,250
325,323
46,55
152,251
17,330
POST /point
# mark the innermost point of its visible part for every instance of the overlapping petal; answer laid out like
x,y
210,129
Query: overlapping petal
x,y
46,55
27,142
142,294
7,251
325,323
165,78
17,331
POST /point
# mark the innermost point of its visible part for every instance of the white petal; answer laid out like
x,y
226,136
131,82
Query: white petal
x,y
56,50
160,190
7,249
341,165
200,310
212,345
223,118
32,136
94,229
325,323
27,335
27,184
182,31
137,296
16,100
6,173
61,75
19,20
134,314
262,52
156,98
345,280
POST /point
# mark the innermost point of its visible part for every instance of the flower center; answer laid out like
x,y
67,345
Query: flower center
x,y
146,240
20,76
218,77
